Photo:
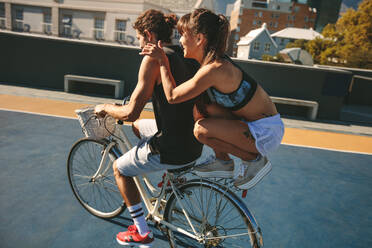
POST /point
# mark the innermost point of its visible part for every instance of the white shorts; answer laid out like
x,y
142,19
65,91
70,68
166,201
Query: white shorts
x,y
268,133
139,160
147,127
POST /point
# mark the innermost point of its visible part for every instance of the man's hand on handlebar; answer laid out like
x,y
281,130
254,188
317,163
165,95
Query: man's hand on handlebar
x,y
99,110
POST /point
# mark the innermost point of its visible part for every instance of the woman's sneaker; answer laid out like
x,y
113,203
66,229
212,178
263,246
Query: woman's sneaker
x,y
133,238
252,172
216,168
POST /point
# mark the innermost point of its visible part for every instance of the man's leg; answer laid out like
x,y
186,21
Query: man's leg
x,y
130,164
144,128
132,199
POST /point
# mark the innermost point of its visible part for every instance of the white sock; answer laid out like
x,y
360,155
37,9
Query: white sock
x,y
137,214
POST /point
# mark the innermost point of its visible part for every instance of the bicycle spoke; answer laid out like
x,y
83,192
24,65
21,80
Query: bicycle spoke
x,y
99,195
217,219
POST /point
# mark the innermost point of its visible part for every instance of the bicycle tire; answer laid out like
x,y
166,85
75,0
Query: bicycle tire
x,y
99,196
198,196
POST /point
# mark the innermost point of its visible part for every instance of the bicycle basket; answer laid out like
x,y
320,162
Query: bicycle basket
x,y
93,126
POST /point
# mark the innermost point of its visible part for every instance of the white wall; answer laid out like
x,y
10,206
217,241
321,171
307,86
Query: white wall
x,y
243,52
32,16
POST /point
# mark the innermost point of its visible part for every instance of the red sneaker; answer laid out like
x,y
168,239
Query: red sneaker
x,y
133,238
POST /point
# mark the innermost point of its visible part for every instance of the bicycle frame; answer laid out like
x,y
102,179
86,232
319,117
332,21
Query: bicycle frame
x,y
153,207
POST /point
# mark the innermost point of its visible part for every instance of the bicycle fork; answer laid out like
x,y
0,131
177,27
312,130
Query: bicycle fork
x,y
105,156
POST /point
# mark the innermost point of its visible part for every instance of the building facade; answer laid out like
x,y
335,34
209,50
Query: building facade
x,y
100,20
256,43
327,12
277,14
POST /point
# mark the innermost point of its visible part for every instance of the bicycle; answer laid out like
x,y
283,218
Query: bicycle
x,y
191,210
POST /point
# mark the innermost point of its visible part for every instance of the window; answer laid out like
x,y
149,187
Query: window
x,y
47,23
47,17
99,23
67,20
275,15
19,14
276,24
98,31
296,9
259,5
267,47
258,14
256,46
18,23
254,22
306,19
67,25
2,16
2,10
282,41
121,27
278,7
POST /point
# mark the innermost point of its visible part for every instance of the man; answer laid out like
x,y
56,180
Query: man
x,y
168,143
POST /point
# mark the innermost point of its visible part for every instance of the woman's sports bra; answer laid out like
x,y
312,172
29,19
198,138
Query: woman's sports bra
x,y
238,98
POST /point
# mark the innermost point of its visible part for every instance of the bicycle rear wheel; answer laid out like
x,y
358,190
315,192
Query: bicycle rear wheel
x,y
93,185
215,215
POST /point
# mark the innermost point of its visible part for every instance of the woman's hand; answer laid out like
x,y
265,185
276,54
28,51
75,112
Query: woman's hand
x,y
154,50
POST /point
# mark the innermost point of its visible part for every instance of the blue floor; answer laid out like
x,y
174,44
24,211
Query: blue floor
x,y
312,197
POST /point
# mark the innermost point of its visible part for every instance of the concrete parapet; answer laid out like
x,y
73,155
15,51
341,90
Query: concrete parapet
x,y
40,61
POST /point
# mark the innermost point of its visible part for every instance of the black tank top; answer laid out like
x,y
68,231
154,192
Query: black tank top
x,y
175,139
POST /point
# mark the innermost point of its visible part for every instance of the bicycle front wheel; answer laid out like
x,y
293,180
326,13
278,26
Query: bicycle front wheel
x,y
216,218
90,174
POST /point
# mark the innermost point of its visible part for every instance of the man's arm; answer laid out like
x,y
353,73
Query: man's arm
x,y
204,78
147,77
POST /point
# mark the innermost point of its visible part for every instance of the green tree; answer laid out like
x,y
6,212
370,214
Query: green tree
x,y
298,43
348,42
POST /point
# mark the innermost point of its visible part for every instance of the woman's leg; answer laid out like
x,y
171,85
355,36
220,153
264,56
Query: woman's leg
x,y
226,136
216,111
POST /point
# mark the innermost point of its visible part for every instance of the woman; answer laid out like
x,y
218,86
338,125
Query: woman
x,y
250,126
